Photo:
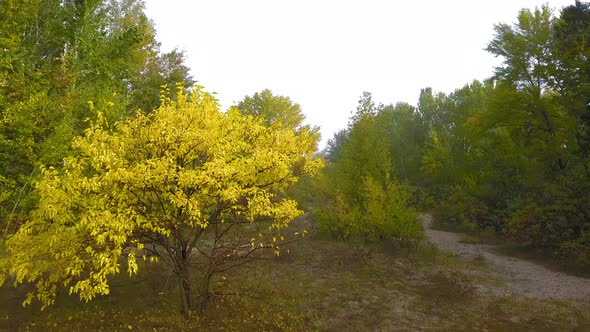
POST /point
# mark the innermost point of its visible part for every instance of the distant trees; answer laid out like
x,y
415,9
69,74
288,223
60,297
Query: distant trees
x,y
550,128
511,153
200,188
167,69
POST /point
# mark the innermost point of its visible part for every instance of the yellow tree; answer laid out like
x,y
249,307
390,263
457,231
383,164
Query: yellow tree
x,y
186,183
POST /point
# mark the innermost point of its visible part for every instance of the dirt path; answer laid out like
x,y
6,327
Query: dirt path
x,y
522,277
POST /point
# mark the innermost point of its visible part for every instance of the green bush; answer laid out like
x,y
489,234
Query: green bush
x,y
421,198
338,218
465,210
576,253
381,211
555,219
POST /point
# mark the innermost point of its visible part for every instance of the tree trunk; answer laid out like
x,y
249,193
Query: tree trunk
x,y
204,293
184,289
181,263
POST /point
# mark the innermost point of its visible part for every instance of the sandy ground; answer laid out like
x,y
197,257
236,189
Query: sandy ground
x,y
522,277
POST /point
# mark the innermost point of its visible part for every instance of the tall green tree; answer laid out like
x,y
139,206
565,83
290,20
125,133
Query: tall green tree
x,y
571,41
59,62
274,109
529,65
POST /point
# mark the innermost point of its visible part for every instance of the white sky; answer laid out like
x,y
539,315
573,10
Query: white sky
x,y
323,54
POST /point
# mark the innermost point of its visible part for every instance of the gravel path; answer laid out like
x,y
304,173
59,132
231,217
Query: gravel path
x,y
522,277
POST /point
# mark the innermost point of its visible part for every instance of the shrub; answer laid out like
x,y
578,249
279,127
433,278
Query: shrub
x,y
555,219
465,210
381,211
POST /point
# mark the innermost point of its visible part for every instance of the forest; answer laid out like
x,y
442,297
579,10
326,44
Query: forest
x,y
130,200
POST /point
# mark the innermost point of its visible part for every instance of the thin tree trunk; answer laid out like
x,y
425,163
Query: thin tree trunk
x,y
562,163
204,294
185,289
183,273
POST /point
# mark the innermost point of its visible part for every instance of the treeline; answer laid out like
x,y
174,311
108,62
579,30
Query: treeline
x,y
60,62
510,154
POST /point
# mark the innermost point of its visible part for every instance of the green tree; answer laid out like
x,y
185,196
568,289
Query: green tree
x,y
335,144
361,196
471,163
59,62
166,69
407,141
274,109
571,40
529,67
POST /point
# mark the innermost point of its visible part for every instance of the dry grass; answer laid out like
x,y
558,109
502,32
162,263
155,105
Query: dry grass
x,y
321,285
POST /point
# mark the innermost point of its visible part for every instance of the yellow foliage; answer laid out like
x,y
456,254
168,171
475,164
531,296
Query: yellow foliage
x,y
160,175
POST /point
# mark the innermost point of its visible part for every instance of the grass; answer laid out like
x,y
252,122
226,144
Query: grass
x,y
321,285
543,257
469,239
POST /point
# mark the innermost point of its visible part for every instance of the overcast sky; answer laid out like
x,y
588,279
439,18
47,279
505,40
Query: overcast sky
x,y
323,54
